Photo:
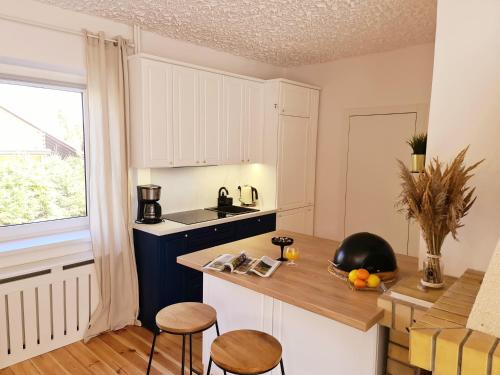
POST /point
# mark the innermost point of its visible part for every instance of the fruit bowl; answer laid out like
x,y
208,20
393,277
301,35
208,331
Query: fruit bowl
x,y
380,288
361,279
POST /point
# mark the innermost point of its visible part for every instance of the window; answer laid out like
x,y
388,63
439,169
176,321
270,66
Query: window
x,y
42,154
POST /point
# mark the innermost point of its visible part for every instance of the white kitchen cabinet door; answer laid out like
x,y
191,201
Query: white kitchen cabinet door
x,y
245,309
233,122
293,162
300,220
373,184
210,118
254,122
316,345
185,116
295,100
151,114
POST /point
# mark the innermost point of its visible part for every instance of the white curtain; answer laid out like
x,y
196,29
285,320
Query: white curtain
x,y
109,207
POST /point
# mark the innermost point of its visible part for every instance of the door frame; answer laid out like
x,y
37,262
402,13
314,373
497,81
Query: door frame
x,y
421,110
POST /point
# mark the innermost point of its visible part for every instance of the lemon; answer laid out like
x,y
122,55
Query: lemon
x,y
353,275
373,281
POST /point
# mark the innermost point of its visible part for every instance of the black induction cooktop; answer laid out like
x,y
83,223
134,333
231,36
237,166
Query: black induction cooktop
x,y
200,216
194,216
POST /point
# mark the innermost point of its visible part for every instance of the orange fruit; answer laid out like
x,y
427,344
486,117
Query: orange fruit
x,y
358,283
363,274
353,275
373,281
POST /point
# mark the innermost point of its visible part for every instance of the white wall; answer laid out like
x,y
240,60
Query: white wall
x,y
465,109
400,77
32,46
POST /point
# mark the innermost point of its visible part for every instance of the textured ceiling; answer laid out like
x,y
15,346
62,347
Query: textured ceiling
x,y
279,32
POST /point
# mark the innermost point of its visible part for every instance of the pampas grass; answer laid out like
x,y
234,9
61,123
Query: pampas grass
x,y
438,199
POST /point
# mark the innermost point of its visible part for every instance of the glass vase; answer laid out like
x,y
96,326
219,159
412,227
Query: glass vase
x,y
432,272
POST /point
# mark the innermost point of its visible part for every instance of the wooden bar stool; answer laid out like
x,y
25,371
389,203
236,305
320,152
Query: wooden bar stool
x,y
186,319
246,352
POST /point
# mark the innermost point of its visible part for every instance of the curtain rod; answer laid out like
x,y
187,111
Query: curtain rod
x,y
55,28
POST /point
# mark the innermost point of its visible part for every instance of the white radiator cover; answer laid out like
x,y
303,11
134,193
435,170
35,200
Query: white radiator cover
x,y
42,313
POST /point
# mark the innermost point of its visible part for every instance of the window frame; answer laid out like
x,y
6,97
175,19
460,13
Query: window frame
x,y
50,227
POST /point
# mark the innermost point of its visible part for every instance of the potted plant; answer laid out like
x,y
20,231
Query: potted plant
x,y
418,144
438,199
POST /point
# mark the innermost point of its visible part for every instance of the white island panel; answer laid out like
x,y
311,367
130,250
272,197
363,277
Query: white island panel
x,y
312,344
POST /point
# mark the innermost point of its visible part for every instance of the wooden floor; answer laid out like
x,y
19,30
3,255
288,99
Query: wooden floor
x,y
121,352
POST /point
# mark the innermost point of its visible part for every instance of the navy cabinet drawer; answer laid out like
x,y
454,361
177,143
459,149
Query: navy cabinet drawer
x,y
255,226
204,238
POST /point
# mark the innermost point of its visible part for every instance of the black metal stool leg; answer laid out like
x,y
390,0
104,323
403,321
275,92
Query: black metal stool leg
x,y
152,352
191,354
282,367
217,328
183,353
209,366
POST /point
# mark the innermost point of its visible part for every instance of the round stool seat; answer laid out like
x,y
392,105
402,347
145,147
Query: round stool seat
x,y
186,317
246,352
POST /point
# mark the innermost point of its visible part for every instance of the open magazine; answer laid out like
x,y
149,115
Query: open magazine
x,y
243,264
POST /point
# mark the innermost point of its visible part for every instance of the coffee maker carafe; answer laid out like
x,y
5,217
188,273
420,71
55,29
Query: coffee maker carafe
x,y
148,210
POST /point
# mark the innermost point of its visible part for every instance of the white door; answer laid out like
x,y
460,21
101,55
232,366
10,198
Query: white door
x,y
373,184
295,100
300,220
233,122
293,162
185,116
254,122
151,110
210,117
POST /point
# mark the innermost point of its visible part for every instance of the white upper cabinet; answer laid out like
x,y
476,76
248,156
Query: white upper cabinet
x,y
185,120
295,100
293,161
234,118
187,116
254,122
210,118
151,113
297,156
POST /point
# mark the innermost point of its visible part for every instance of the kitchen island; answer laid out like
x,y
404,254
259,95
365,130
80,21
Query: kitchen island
x,y
324,327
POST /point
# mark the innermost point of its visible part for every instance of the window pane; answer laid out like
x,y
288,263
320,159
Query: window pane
x,y
42,161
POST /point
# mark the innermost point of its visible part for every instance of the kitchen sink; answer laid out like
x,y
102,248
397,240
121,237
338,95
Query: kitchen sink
x,y
233,210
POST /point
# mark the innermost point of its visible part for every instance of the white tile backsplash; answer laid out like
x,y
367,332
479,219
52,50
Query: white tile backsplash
x,y
191,188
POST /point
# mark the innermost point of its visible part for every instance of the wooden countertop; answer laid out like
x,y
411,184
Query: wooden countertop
x,y
309,285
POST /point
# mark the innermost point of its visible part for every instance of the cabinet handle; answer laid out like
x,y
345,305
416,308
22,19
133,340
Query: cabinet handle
x,y
275,105
258,220
215,229
242,160
204,161
186,235
248,160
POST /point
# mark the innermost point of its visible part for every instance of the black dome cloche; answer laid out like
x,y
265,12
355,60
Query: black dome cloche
x,y
365,250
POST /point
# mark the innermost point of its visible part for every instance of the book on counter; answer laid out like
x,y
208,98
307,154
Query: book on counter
x,y
244,264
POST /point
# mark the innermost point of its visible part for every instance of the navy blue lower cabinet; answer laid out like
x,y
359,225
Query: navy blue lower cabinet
x,y
162,281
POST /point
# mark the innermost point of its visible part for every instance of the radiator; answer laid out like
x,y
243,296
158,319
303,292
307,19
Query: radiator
x,y
45,310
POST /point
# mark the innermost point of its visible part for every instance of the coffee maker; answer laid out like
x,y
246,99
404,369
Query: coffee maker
x,y
148,210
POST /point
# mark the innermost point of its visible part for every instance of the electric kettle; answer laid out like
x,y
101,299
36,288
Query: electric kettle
x,y
248,195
